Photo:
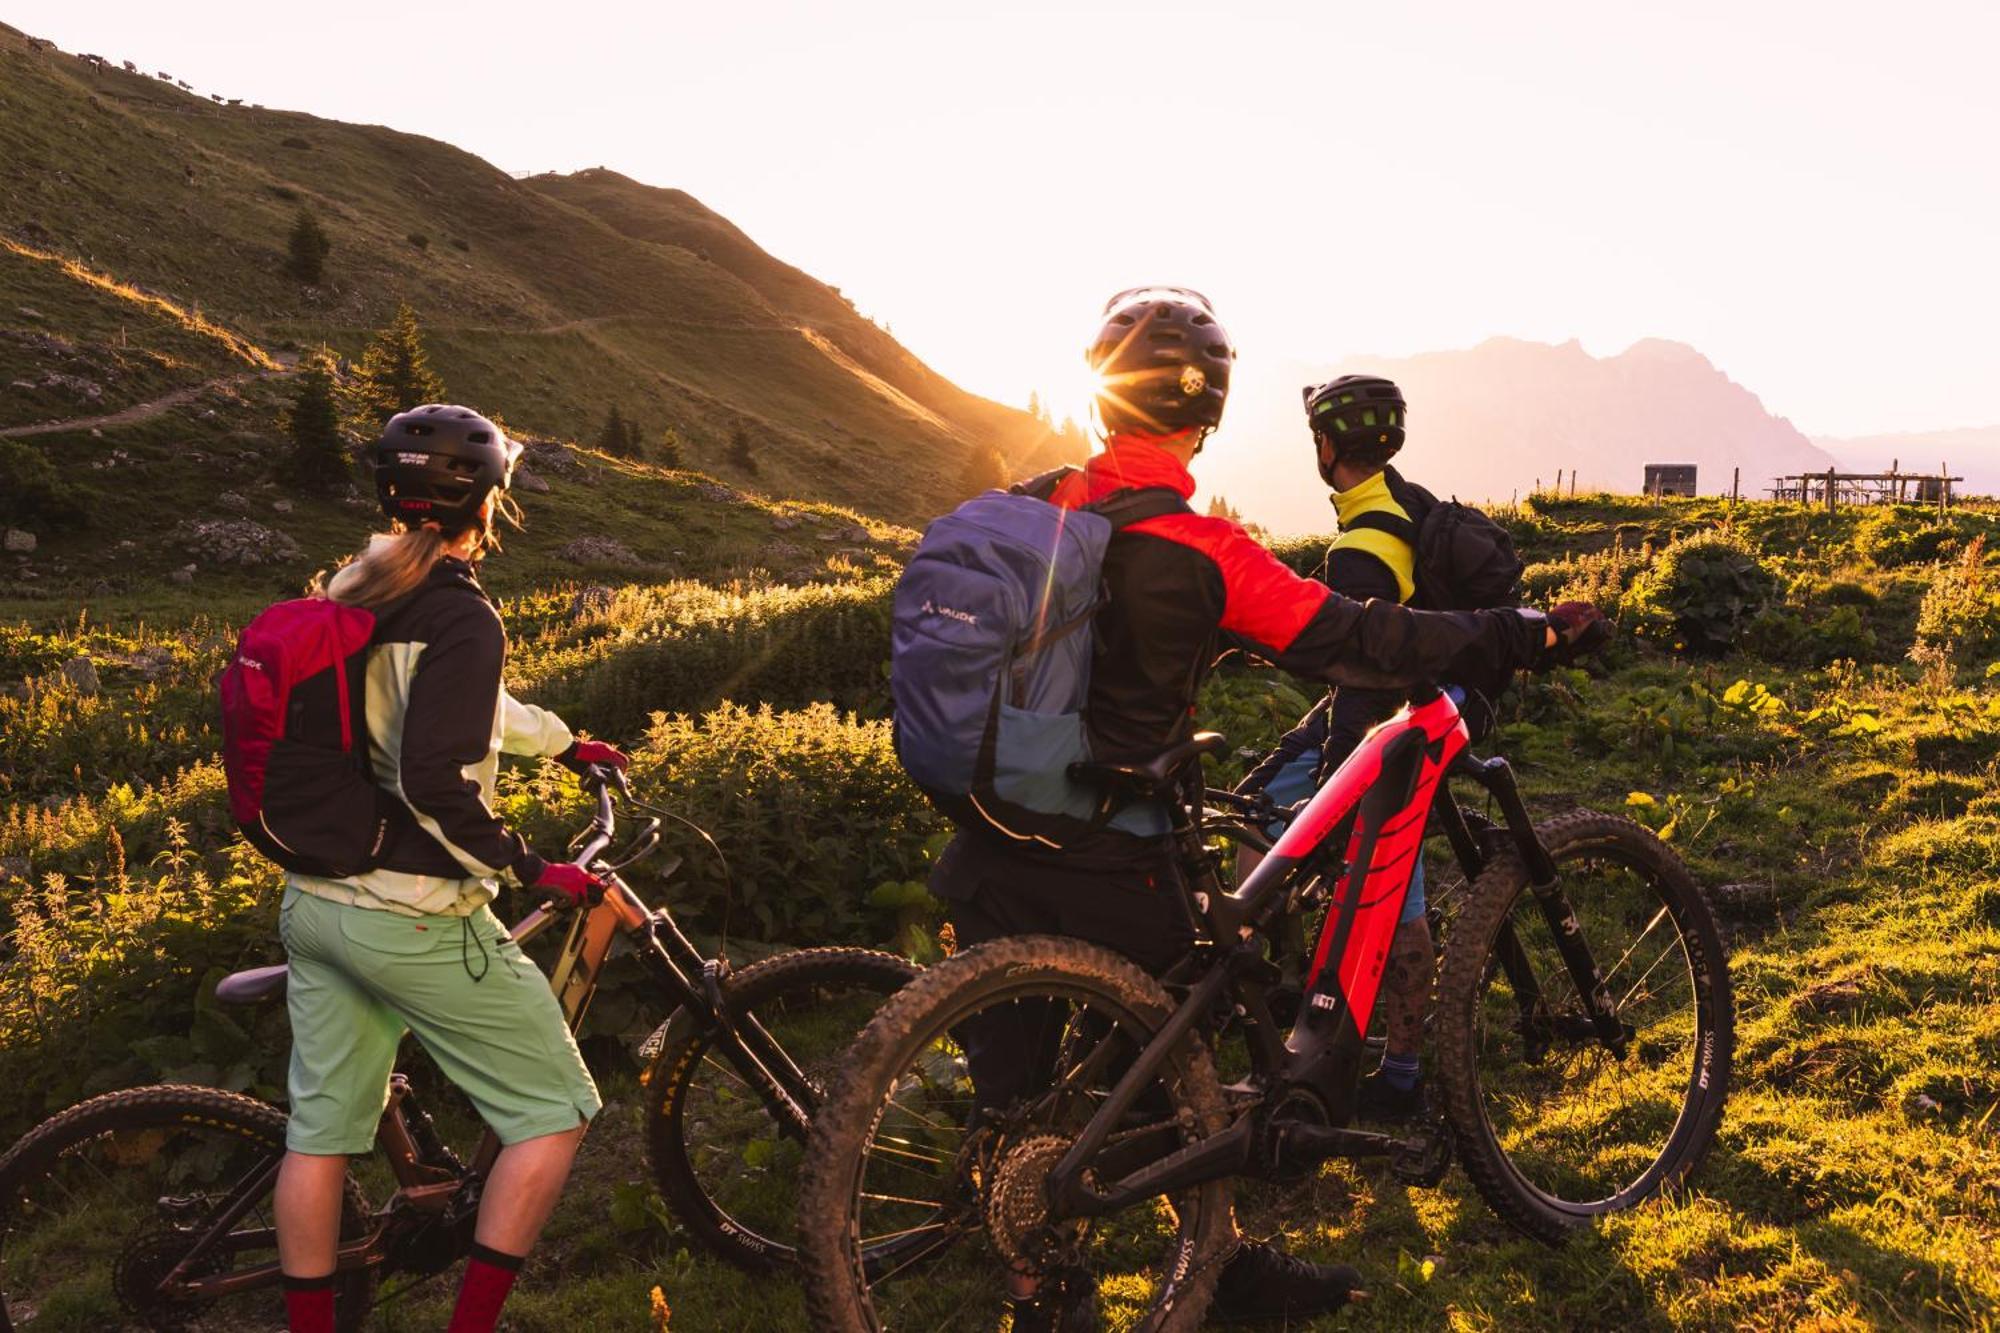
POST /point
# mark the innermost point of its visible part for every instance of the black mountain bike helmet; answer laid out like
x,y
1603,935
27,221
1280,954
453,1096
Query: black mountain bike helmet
x,y
1355,410
438,463
1162,362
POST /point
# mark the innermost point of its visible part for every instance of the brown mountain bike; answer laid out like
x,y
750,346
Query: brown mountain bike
x,y
151,1207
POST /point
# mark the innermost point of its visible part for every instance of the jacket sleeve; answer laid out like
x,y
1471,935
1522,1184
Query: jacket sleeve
x,y
1309,734
527,729
1312,631
447,728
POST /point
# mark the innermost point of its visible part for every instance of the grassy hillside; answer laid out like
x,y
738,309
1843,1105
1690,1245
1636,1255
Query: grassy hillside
x,y
1829,776
547,300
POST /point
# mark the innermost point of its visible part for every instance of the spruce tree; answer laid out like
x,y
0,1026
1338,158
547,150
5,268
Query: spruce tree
x,y
670,448
741,451
319,454
395,374
615,438
310,246
984,470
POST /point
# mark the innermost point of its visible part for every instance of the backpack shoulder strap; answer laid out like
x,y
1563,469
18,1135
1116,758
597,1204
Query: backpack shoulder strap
x,y
1137,504
1382,521
1043,485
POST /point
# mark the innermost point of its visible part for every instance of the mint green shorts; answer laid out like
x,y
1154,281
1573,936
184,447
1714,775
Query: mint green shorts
x,y
361,978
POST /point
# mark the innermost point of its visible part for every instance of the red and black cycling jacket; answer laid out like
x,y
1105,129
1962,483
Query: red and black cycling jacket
x,y
1179,583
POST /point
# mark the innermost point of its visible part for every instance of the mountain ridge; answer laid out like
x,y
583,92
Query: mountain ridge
x,y
548,299
1489,422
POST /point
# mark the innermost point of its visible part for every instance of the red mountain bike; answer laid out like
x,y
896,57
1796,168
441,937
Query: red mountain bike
x,y
151,1207
1582,1027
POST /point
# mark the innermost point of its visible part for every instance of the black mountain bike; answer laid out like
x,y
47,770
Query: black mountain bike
x,y
150,1207
1582,1025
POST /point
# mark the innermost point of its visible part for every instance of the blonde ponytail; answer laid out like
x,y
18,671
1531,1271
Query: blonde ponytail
x,y
393,565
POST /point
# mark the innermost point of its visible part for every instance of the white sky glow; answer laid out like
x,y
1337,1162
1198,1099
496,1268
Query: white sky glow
x,y
1804,191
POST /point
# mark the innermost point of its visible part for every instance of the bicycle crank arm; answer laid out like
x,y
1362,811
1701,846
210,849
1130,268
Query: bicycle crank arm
x,y
1297,1144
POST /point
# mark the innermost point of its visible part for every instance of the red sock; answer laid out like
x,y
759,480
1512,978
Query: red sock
x,y
489,1276
309,1304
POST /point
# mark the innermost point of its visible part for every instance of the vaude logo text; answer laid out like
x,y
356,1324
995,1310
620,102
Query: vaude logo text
x,y
933,609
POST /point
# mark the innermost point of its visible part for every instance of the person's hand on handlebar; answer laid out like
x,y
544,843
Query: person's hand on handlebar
x,y
1576,629
564,885
584,755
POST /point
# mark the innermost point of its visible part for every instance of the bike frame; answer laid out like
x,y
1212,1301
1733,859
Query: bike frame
x,y
1357,840
432,1185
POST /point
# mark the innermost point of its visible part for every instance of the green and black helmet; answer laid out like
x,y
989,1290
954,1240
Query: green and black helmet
x,y
1356,412
1162,362
438,463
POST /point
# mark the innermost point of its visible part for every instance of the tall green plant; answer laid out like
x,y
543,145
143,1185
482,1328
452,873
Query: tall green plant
x,y
319,453
395,373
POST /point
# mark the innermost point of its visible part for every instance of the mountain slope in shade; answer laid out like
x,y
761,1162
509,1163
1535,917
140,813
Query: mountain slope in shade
x,y
1972,452
1487,422
548,300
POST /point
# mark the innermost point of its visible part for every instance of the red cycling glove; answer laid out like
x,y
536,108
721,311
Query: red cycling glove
x,y
582,755
565,885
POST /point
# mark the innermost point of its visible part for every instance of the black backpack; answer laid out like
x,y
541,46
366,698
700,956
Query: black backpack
x,y
1464,562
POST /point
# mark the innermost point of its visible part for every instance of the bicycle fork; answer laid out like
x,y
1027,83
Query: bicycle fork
x,y
1497,777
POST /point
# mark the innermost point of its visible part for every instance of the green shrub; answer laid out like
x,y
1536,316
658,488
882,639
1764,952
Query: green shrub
x,y
1708,587
683,648
33,492
1601,578
1960,613
101,988
810,808
1894,535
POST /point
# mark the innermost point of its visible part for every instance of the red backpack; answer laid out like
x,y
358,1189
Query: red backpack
x,y
295,739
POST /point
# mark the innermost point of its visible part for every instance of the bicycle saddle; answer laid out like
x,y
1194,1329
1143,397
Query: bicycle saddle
x,y
258,983
1149,775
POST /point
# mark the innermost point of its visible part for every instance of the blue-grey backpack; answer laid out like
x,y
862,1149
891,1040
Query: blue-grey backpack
x,y
990,656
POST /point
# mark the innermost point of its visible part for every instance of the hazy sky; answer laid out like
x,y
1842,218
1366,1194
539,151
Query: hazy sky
x,y
1805,191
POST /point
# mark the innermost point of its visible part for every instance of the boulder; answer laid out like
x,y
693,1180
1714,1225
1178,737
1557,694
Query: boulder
x,y
529,482
854,532
183,576
589,601
241,542
281,506
81,673
784,522
548,456
597,551
19,542
720,494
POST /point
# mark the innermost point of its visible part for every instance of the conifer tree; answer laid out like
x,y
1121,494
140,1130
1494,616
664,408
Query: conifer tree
x,y
319,455
395,374
670,448
741,451
616,437
984,470
310,246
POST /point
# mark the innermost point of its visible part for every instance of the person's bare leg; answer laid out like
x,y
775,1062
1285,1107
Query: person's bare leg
x,y
521,1192
307,1204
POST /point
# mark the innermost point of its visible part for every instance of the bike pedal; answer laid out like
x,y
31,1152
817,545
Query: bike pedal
x,y
1423,1158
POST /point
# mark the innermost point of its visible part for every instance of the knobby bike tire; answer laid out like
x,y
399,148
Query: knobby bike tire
x,y
166,1107
671,1076
832,1265
1468,963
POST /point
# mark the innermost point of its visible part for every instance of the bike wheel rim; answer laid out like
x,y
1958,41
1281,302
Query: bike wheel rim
x,y
1628,968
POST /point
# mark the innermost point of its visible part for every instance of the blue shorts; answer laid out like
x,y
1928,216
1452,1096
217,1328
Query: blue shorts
x,y
1294,783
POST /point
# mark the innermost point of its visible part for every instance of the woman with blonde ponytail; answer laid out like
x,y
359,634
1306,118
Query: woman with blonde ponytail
x,y
411,945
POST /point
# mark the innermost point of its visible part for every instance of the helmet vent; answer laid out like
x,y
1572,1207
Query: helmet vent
x,y
480,437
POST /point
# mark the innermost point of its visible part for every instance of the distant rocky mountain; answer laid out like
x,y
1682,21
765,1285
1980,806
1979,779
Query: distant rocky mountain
x,y
1972,452
1487,422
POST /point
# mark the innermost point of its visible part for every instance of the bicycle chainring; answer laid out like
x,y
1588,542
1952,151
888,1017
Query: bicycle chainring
x,y
144,1264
